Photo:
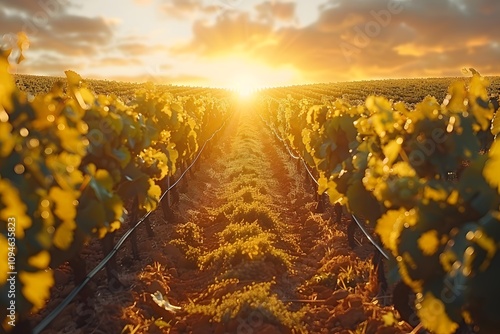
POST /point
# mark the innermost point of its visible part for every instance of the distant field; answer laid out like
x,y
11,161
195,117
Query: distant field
x,y
410,91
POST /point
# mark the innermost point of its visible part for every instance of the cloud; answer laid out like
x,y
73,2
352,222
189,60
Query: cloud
x,y
231,32
49,64
358,38
117,61
276,11
37,8
135,48
182,9
343,39
51,29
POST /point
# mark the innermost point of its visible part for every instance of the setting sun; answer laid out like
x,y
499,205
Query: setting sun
x,y
245,85
245,76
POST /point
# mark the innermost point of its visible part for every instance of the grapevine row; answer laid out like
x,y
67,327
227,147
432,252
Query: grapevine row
x,y
69,161
391,165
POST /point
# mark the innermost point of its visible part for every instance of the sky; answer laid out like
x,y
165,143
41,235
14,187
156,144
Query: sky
x,y
250,44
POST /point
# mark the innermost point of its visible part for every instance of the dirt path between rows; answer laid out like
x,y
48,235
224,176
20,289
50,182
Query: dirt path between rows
x,y
245,253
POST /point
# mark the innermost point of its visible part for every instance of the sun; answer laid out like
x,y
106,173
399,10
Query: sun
x,y
245,77
245,91
245,85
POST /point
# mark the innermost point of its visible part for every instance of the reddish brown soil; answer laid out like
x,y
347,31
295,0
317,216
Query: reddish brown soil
x,y
335,286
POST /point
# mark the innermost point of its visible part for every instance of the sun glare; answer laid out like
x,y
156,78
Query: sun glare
x,y
245,85
245,76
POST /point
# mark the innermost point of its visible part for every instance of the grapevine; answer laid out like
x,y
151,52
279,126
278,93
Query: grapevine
x,y
389,163
71,158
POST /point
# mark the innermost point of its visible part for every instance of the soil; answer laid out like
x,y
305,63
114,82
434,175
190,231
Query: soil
x,y
245,251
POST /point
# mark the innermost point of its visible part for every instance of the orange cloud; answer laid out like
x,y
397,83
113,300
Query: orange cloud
x,y
280,11
358,39
349,39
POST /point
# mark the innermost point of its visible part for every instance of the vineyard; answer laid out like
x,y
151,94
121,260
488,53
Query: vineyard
x,y
329,208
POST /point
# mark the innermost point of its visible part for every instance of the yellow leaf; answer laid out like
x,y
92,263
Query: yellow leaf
x,y
150,201
173,155
429,242
383,119
495,124
86,96
36,287
64,200
389,227
458,94
101,232
4,252
453,198
114,226
433,315
103,177
478,89
403,169
322,183
71,139
435,194
391,151
46,110
74,79
7,87
63,236
15,209
389,319
333,194
64,169
41,260
7,142
492,166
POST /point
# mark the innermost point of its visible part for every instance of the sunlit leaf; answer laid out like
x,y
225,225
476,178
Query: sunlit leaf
x,y
36,287
4,251
492,166
322,183
40,260
389,319
64,169
150,201
389,227
15,208
63,236
72,140
429,242
7,142
7,87
65,207
432,314
391,151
